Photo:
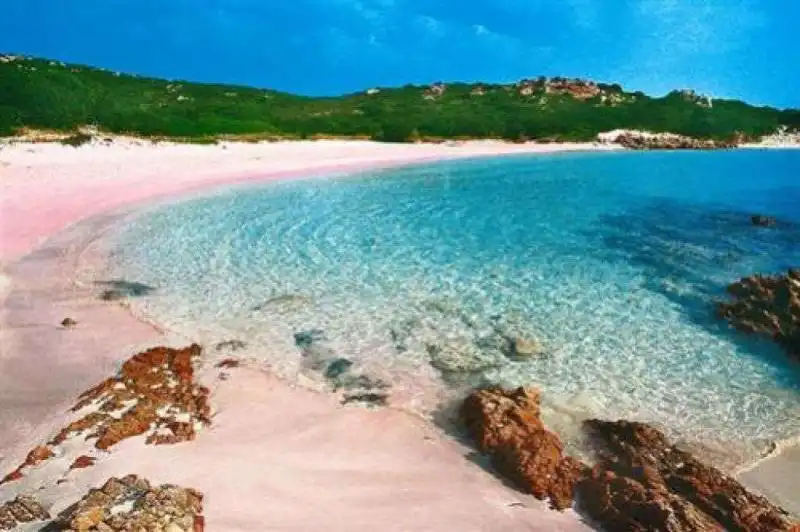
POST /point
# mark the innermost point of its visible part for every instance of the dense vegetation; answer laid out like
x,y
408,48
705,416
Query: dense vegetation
x,y
44,94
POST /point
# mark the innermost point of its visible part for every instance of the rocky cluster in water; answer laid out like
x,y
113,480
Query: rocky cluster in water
x,y
767,305
460,345
640,483
342,373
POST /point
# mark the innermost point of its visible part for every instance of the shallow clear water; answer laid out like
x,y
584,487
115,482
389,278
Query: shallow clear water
x,y
611,262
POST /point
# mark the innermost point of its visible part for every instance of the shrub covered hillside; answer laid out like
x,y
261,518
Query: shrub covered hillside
x,y
44,94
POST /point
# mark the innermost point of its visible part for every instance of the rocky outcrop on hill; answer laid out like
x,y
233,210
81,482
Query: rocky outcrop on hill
x,y
767,305
155,395
505,424
640,483
691,95
131,503
434,91
20,511
643,140
577,88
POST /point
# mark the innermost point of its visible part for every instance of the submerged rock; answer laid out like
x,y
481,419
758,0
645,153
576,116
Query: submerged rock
x,y
510,337
120,289
359,382
506,425
644,483
526,348
767,305
763,221
131,503
370,398
284,302
337,367
231,345
304,339
462,357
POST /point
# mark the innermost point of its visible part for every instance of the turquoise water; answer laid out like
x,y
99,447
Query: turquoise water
x,y
420,276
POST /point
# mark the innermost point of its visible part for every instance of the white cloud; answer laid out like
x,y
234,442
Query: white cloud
x,y
480,29
430,25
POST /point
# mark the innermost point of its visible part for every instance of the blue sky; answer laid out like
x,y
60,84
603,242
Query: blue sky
x,y
727,48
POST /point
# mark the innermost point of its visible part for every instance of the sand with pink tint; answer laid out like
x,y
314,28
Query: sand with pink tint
x,y
44,187
277,457
288,459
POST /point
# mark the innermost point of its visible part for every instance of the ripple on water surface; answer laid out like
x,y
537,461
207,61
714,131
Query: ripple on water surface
x,y
610,262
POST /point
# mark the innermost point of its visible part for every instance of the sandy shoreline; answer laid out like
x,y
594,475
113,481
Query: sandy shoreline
x,y
98,177
56,200
314,470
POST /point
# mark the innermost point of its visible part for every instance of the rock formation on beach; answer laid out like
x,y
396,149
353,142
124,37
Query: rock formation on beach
x,y
131,503
643,140
640,483
21,510
155,395
505,424
767,305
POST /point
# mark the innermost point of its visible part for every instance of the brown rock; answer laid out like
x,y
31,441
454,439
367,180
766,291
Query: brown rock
x,y
165,507
83,462
22,509
151,389
767,305
154,380
621,503
645,483
35,457
38,455
228,363
506,425
11,477
68,322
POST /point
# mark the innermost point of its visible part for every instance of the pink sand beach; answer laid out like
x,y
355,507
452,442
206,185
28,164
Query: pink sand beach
x,y
277,457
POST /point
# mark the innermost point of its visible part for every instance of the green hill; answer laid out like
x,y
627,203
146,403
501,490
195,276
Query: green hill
x,y
43,94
